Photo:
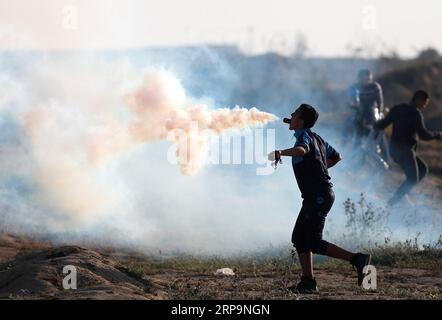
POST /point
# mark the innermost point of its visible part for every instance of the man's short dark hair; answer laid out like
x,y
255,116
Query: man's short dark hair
x,y
307,113
420,95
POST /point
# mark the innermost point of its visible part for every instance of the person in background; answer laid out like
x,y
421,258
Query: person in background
x,y
366,98
408,126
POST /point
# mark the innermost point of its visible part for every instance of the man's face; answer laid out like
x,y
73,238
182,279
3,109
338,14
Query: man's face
x,y
296,122
365,79
422,104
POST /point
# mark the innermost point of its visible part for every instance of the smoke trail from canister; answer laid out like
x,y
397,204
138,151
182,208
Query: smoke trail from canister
x,y
73,140
163,112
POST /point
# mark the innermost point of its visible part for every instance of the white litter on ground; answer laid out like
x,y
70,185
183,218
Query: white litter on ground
x,y
224,272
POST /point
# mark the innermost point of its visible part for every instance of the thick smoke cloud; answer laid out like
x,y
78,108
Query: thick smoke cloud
x,y
74,122
85,143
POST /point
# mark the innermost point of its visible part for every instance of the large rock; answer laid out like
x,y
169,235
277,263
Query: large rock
x,y
40,275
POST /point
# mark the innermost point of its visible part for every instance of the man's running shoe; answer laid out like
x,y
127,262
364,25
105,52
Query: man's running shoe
x,y
306,285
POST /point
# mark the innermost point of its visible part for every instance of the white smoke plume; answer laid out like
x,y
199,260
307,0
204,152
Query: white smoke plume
x,y
79,119
163,112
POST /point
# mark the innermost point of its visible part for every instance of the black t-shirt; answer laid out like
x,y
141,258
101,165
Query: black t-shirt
x,y
408,125
311,169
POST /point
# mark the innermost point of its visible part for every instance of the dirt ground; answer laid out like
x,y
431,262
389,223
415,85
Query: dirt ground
x,y
392,283
31,270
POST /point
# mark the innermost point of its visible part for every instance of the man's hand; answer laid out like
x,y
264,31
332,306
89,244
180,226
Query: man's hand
x,y
274,156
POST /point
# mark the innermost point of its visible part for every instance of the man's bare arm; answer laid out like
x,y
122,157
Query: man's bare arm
x,y
294,152
298,151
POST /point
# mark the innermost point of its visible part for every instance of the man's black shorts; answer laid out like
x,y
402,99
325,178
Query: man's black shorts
x,y
307,234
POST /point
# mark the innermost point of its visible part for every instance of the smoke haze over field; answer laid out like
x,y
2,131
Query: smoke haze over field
x,y
85,139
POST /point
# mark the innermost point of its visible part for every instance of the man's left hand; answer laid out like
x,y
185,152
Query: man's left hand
x,y
274,156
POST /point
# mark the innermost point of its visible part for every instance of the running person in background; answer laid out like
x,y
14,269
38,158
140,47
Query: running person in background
x,y
408,125
366,98
311,158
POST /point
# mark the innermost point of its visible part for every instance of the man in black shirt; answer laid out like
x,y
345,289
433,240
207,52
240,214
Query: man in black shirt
x,y
311,158
408,125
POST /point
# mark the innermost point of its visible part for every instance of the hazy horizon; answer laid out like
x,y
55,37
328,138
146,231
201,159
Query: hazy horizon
x,y
317,28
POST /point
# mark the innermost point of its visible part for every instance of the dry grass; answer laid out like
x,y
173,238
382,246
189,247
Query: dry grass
x,y
404,272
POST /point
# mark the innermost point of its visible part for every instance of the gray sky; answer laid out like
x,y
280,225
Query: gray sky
x,y
254,25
